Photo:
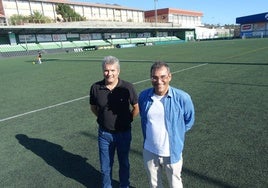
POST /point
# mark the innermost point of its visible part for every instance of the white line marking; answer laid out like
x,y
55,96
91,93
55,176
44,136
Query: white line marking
x,y
190,68
41,109
174,72
78,99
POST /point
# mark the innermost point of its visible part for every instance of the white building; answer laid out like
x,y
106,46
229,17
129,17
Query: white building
x,y
91,11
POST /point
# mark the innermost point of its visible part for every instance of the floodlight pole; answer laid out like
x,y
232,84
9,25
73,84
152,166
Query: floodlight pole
x,y
25,39
155,12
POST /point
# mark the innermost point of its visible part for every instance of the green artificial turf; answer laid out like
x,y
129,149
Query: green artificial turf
x,y
49,135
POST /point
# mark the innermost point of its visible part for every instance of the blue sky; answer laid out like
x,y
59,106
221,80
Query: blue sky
x,y
215,11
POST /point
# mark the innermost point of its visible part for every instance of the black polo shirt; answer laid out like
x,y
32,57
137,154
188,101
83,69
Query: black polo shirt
x,y
114,105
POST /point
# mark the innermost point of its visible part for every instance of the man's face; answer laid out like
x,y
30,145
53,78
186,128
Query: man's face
x,y
160,80
111,73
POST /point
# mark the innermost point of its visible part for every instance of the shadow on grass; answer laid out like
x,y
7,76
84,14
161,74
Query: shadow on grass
x,y
68,164
88,134
43,60
209,180
65,60
237,83
199,63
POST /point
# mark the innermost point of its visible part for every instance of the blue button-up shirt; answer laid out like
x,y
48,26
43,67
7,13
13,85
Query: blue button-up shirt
x,y
179,117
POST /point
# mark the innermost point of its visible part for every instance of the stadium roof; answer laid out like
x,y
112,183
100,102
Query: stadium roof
x,y
173,11
263,17
72,28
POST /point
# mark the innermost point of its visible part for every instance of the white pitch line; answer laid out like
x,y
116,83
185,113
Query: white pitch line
x,y
190,68
41,109
174,72
80,98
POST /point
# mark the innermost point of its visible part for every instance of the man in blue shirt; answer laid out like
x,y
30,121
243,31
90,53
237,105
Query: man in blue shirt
x,y
167,113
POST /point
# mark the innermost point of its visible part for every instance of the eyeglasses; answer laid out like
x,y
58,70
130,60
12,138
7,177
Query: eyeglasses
x,y
162,78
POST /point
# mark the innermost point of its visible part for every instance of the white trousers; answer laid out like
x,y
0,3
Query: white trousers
x,y
155,165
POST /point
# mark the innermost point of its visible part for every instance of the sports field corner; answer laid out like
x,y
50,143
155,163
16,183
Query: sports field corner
x,y
49,135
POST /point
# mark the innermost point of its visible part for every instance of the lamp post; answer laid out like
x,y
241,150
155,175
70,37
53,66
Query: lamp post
x,y
155,12
25,39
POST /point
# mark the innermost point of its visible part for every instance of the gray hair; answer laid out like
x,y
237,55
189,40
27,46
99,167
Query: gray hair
x,y
158,65
111,60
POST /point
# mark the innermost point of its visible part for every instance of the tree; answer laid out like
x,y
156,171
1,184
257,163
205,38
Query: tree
x,y
68,14
17,19
37,17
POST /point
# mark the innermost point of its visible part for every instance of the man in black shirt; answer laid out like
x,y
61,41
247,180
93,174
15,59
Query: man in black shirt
x,y
110,100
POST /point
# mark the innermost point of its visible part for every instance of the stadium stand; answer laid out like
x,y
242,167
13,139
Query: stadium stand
x,y
31,46
98,43
118,41
81,43
8,50
11,48
66,44
49,45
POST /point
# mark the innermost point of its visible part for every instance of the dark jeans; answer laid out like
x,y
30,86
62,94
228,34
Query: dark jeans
x,y
108,144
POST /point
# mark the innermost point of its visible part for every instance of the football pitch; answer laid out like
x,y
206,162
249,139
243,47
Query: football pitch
x,y
49,135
